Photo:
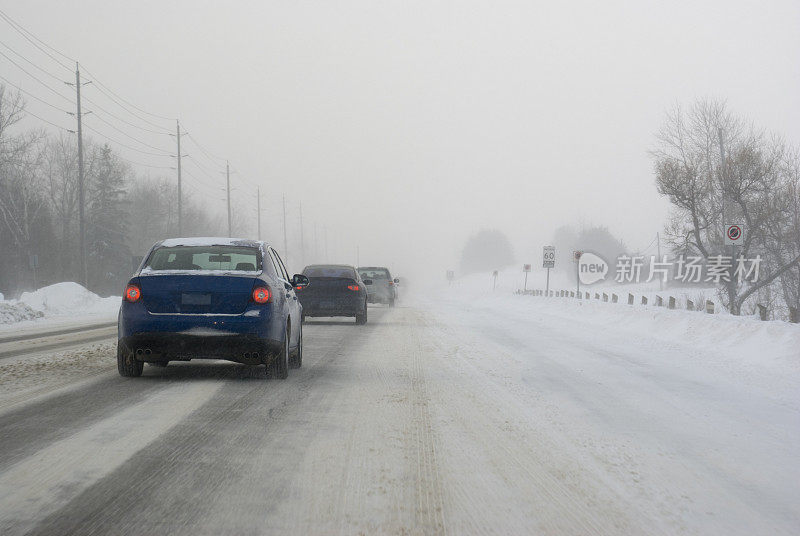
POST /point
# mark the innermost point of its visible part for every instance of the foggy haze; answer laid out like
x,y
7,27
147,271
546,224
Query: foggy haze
x,y
404,127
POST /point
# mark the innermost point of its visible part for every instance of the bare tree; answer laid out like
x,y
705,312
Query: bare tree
x,y
786,244
715,169
20,191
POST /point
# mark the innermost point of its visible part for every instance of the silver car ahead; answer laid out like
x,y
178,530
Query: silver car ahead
x,y
383,288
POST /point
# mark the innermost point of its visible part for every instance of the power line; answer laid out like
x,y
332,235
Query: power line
x,y
45,71
118,118
203,172
135,163
34,96
129,136
244,178
203,183
102,86
208,154
21,68
201,166
26,33
112,140
48,122
109,93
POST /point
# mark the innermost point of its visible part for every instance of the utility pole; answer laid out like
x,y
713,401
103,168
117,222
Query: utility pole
x,y
180,197
358,256
258,197
228,187
302,240
325,235
725,222
81,189
285,241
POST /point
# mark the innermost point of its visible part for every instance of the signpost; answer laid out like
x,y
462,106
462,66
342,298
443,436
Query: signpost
x,y
526,268
576,258
548,261
494,275
734,235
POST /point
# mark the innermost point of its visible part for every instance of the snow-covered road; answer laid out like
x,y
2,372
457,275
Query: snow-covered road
x,y
432,419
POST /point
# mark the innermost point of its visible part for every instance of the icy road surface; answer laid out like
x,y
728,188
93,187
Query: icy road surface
x,y
421,422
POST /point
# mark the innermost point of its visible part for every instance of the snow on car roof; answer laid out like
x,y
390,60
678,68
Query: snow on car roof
x,y
208,241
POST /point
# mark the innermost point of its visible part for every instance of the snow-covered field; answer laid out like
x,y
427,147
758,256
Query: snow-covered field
x,y
768,349
56,305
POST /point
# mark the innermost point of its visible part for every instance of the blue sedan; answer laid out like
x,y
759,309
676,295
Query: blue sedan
x,y
211,298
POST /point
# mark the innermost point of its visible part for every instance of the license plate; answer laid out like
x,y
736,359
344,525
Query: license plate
x,y
196,298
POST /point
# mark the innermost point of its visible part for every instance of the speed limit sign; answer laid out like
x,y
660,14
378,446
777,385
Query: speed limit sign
x,y
549,257
734,234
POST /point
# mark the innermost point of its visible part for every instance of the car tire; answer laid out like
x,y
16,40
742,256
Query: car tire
x,y
296,359
279,367
361,319
127,364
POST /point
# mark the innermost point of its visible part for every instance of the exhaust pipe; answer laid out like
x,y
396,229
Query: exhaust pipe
x,y
139,351
147,351
247,355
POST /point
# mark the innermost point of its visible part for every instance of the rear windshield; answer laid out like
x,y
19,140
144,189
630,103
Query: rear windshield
x,y
329,271
374,273
225,258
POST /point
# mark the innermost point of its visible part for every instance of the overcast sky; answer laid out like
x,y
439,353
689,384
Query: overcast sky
x,y
406,126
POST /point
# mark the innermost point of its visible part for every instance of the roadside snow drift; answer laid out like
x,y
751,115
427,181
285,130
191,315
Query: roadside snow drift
x,y
69,298
59,300
11,312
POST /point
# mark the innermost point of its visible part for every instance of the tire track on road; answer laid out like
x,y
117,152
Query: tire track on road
x,y
197,477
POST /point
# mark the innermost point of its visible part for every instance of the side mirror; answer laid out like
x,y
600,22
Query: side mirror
x,y
396,280
299,281
367,281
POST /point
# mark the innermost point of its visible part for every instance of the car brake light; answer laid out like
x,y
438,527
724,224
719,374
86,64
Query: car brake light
x,y
391,283
298,287
261,295
352,287
132,293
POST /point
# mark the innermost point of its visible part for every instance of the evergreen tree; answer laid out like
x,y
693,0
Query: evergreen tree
x,y
107,249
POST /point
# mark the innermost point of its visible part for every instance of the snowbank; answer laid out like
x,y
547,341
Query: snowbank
x,y
770,345
11,312
63,300
69,298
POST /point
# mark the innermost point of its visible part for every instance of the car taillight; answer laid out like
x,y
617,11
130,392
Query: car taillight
x,y
261,295
132,293
298,287
352,287
391,283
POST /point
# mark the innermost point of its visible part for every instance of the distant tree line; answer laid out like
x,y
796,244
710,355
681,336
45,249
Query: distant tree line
x,y
717,169
125,213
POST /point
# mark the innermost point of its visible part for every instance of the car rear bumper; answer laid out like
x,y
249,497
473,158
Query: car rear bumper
x,y
348,306
161,346
380,295
212,336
